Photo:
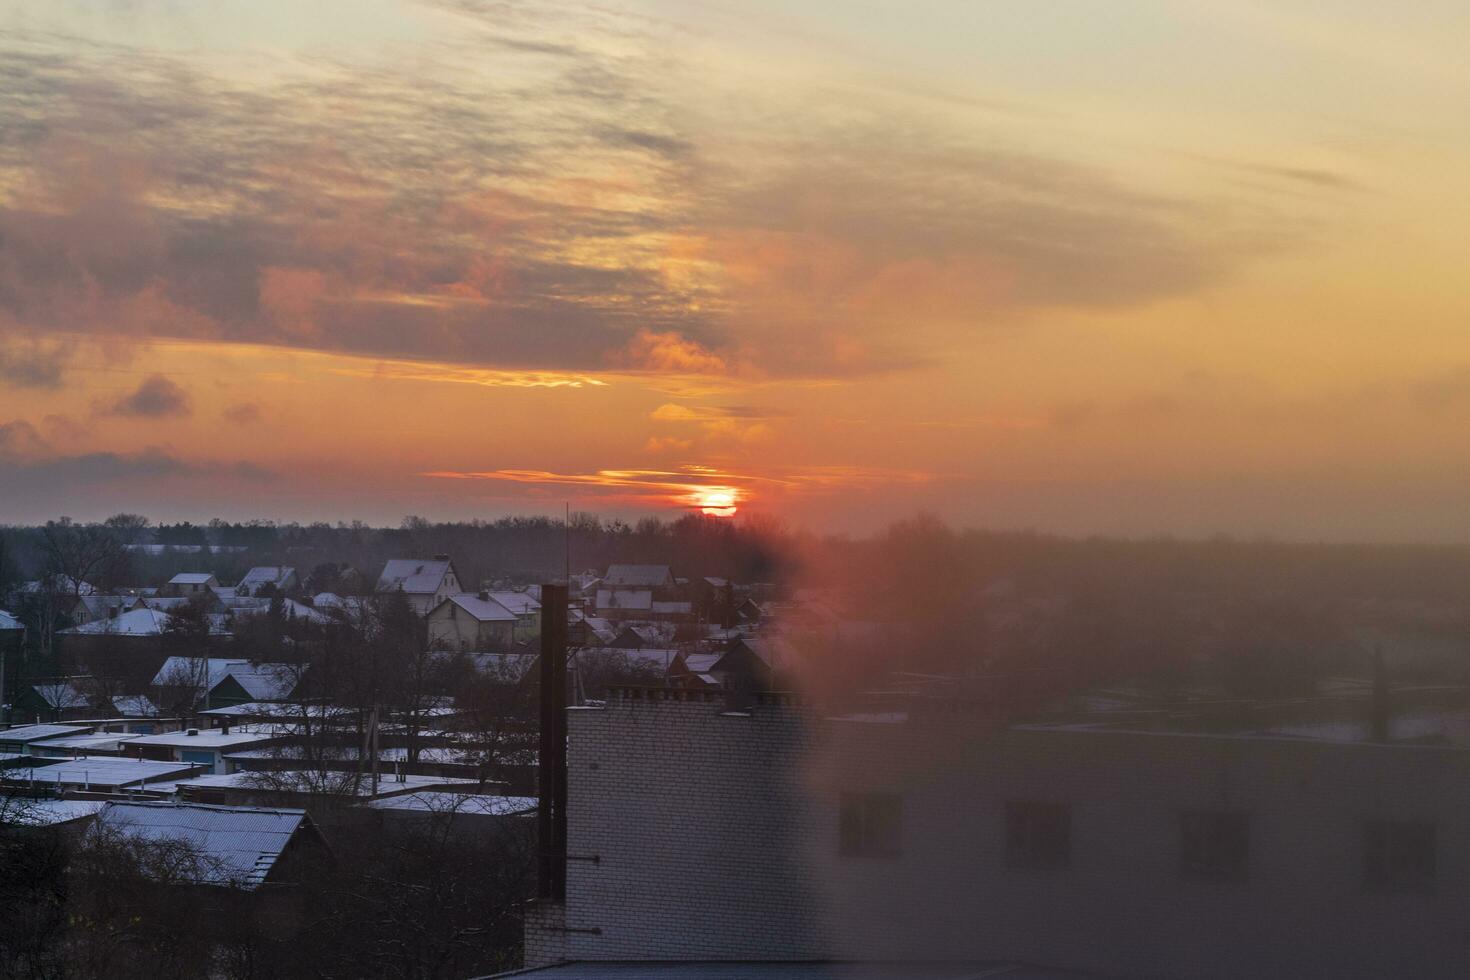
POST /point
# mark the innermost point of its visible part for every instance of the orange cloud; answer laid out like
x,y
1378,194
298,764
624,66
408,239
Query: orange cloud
x,y
670,352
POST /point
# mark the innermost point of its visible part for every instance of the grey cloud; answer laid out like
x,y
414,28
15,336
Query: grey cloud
x,y
155,397
33,362
437,214
242,414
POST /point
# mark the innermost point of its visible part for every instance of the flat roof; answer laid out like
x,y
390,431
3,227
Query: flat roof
x,y
108,771
35,733
208,738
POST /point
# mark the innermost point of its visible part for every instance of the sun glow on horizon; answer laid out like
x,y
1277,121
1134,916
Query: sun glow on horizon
x,y
718,501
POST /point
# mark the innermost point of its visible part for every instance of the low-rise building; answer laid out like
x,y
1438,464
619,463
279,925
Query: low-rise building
x,y
938,833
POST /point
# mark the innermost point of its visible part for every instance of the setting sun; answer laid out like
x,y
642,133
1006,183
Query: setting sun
x,y
717,502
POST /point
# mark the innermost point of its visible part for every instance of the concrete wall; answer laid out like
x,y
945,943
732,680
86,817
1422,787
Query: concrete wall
x,y
716,837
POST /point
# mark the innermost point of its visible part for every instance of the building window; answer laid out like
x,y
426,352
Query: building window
x,y
1398,857
870,825
1038,836
1214,845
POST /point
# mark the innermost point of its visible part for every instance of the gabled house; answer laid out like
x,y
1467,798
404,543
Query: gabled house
x,y
527,609
272,579
190,584
91,608
200,683
238,847
425,583
67,699
638,577
471,622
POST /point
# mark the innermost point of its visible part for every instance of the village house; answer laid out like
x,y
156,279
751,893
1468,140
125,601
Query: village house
x,y
268,580
188,584
471,622
245,848
424,583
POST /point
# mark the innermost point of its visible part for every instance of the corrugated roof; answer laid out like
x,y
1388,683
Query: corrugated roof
x,y
236,845
99,772
458,803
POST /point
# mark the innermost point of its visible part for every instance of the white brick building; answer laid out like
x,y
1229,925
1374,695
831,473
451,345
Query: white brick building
x,y
699,834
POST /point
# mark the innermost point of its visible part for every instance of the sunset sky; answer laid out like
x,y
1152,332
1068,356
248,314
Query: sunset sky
x,y
1178,266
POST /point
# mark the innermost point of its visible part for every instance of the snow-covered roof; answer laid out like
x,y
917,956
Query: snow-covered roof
x,y
191,578
506,667
637,576
520,603
135,706
62,695
277,575
207,738
672,608
166,603
134,622
100,605
36,733
327,600
481,607
99,772
236,845
93,742
9,622
49,813
265,682
413,575
59,584
645,657
431,801
625,599
205,671
246,607
700,663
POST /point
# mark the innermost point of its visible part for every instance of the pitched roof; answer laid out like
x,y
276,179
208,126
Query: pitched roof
x,y
208,671
423,577
264,682
637,576
266,575
99,605
135,705
236,845
520,603
62,695
485,610
61,584
134,622
9,622
190,578
641,599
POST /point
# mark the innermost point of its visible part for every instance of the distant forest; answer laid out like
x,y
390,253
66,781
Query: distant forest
x,y
922,553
